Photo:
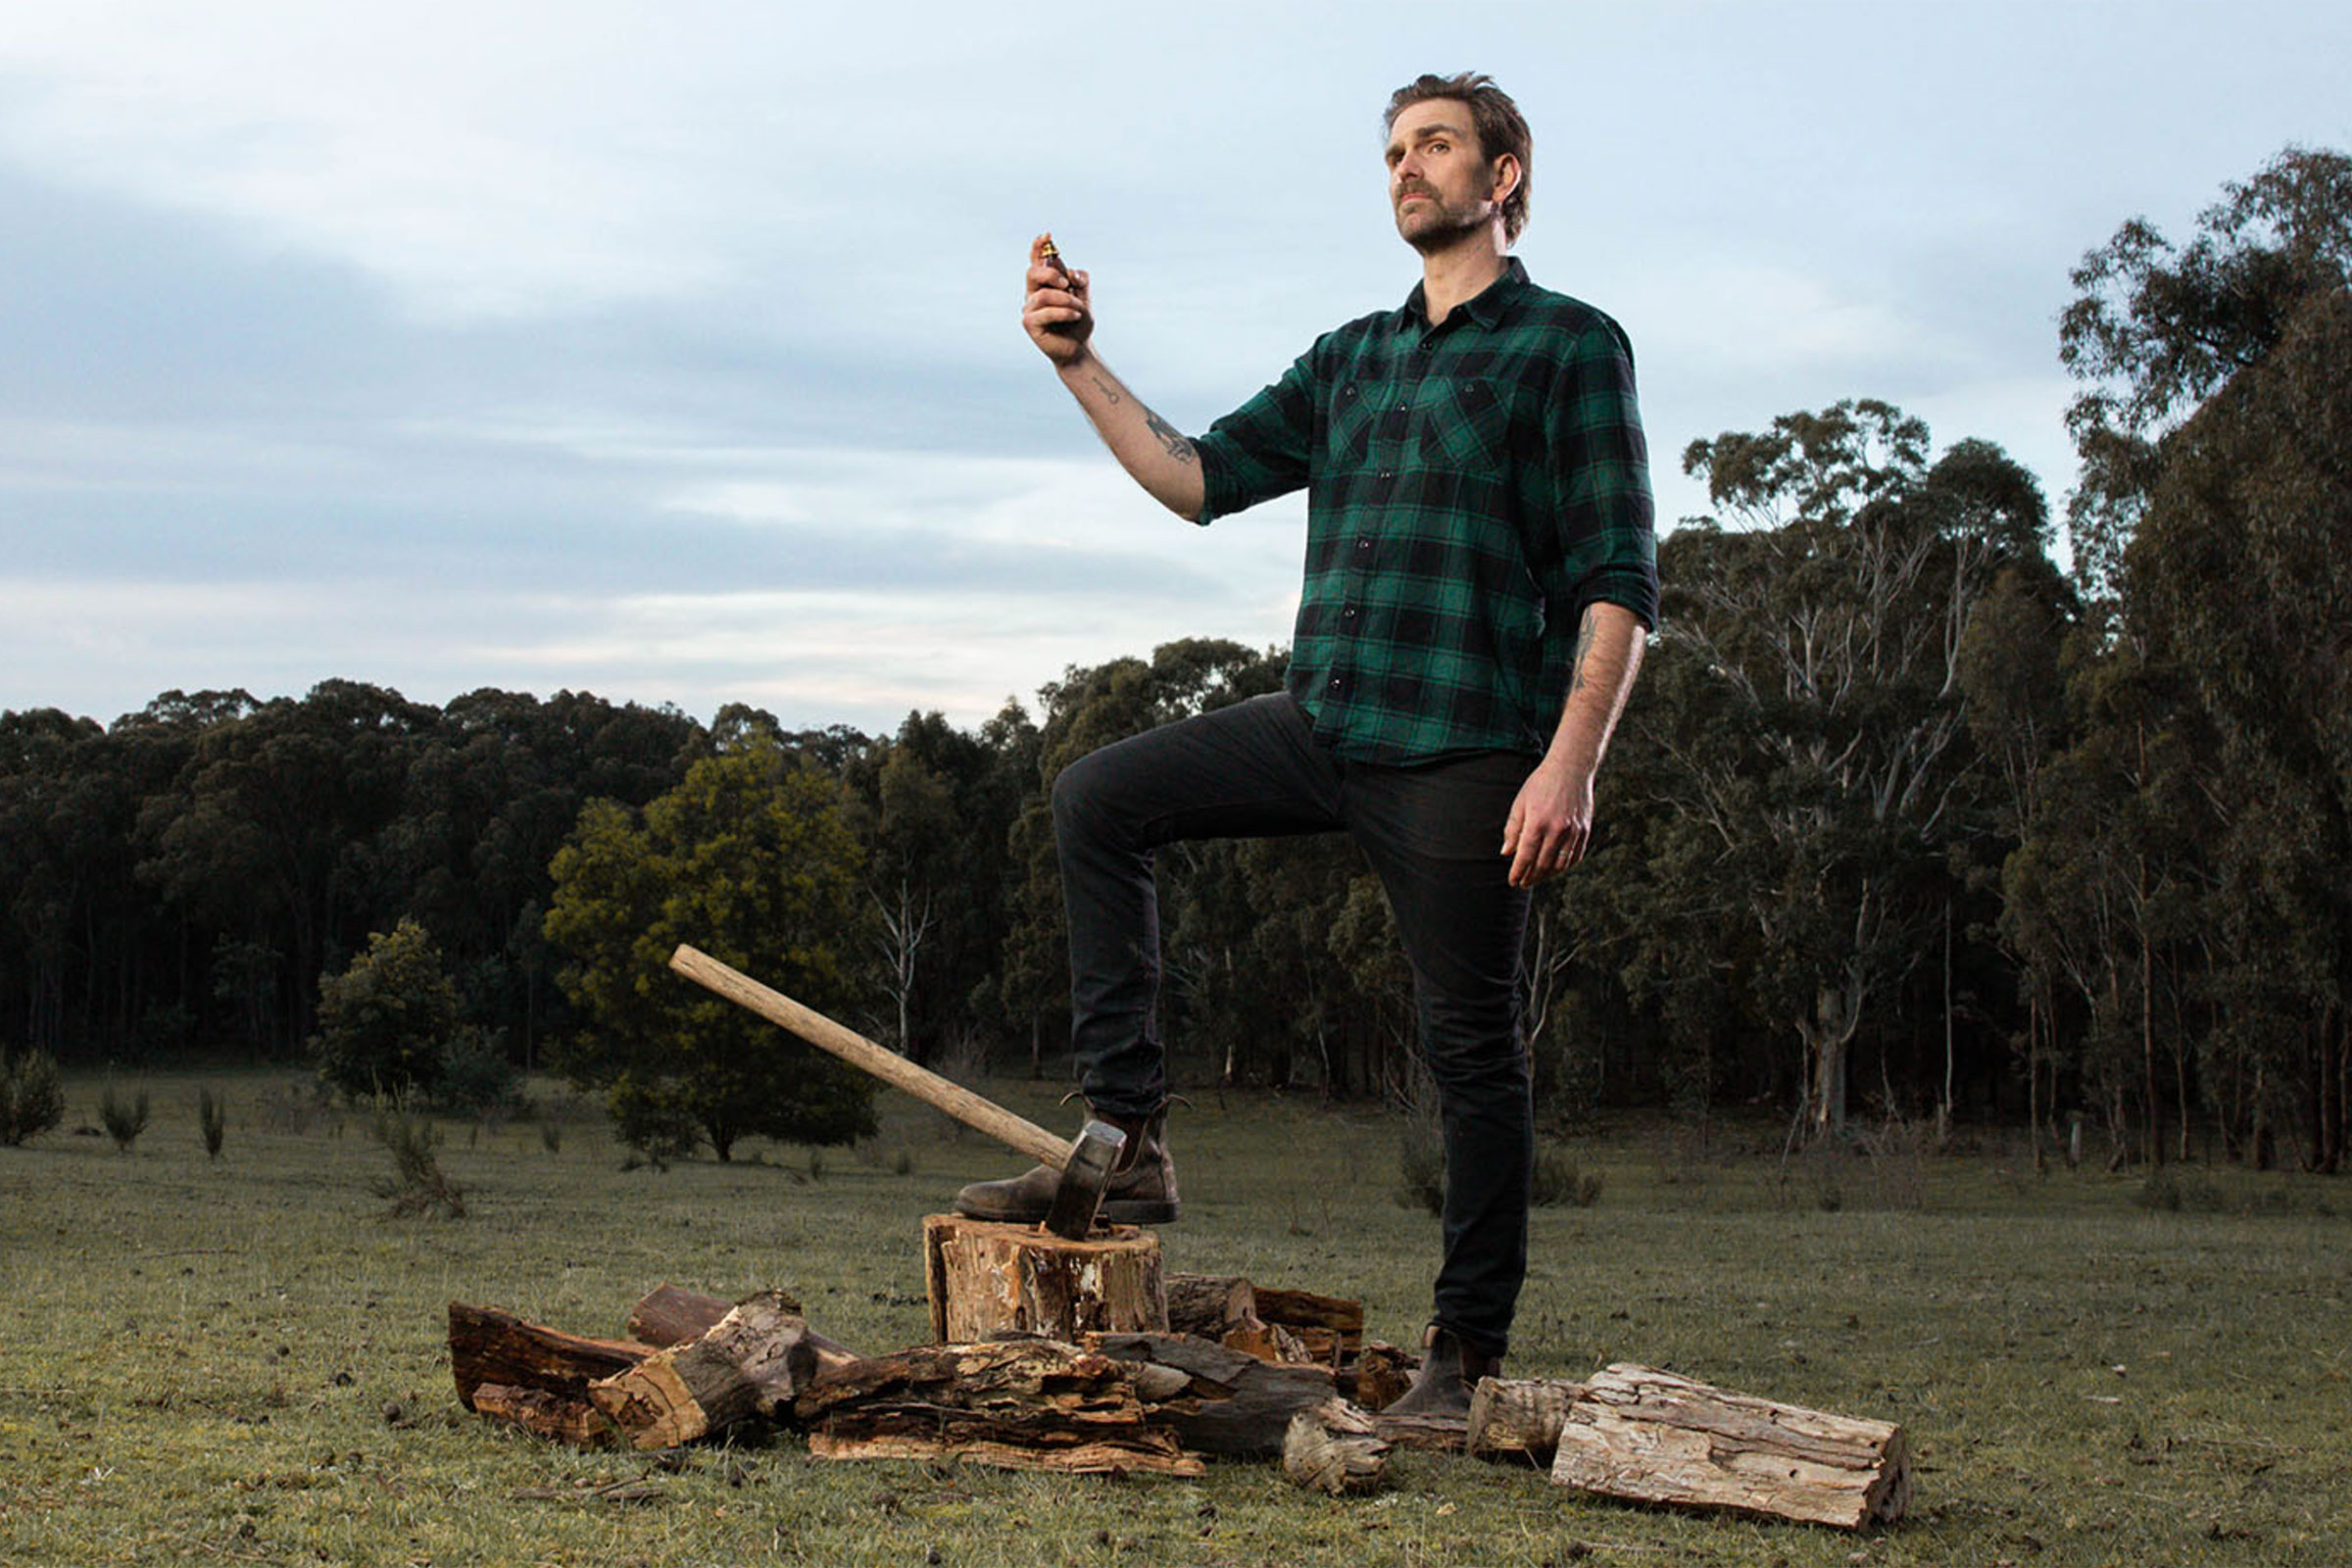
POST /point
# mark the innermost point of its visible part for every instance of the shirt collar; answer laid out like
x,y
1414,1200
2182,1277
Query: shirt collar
x,y
1486,307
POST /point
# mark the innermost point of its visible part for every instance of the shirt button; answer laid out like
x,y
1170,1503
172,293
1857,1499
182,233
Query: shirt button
x,y
1388,474
1364,543
1348,614
1334,683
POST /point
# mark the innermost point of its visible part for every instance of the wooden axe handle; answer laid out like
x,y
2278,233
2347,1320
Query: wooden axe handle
x,y
930,1088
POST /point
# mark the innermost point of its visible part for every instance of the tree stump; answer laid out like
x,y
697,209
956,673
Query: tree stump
x,y
986,1278
1648,1436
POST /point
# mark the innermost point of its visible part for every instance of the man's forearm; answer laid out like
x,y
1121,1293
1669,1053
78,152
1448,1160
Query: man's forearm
x,y
1609,640
1154,454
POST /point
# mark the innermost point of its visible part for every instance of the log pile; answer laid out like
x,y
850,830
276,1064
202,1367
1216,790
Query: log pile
x,y
1240,1372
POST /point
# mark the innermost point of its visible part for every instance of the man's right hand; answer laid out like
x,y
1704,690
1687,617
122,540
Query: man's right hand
x,y
1056,311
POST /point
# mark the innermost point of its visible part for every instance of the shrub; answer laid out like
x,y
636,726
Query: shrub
x,y
211,1118
475,1078
659,1127
386,1021
417,1185
1561,1180
1421,1166
32,1096
124,1120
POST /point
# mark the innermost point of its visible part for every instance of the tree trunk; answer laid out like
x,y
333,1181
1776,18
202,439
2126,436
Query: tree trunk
x,y
1648,1436
986,1278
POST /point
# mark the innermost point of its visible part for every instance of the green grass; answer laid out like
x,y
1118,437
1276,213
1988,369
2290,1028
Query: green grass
x,y
242,1361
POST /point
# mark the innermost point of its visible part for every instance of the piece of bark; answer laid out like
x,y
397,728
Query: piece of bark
x,y
1230,1403
986,1278
1648,1435
1378,1376
570,1421
1036,1403
1519,1418
1211,1305
1335,1447
487,1346
748,1364
669,1314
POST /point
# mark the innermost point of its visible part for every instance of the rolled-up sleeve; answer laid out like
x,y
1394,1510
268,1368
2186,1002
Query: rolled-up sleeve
x,y
1262,449
1601,473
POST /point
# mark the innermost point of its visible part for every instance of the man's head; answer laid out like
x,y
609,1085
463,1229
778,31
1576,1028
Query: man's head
x,y
1460,145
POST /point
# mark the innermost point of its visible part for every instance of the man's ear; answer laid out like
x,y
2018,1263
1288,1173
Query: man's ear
x,y
1507,178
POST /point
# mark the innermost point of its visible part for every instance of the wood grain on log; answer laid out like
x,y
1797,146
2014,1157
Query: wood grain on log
x,y
487,1346
750,1363
1229,1404
669,1314
1335,1447
1519,1418
548,1415
986,1278
1637,1433
1437,1434
1378,1376
1211,1305
1055,1405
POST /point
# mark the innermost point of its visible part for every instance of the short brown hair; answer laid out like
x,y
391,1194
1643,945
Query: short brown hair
x,y
1500,128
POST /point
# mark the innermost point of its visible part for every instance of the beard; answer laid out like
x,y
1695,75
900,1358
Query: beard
x,y
1438,223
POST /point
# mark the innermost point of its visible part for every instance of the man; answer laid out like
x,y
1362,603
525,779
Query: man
x,y
1480,572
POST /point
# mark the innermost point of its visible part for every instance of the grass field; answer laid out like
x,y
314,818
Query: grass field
x,y
242,1361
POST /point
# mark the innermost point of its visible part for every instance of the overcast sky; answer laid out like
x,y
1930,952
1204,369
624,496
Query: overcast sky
x,y
671,351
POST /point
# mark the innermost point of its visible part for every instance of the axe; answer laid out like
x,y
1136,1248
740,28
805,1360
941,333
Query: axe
x,y
1085,1164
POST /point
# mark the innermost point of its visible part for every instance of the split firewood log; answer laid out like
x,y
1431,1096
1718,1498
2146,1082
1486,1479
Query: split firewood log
x,y
1637,1433
751,1363
1025,1404
487,1346
1519,1418
669,1314
1227,1403
1335,1447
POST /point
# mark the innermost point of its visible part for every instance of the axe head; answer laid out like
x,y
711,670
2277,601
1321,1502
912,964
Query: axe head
x,y
1084,1175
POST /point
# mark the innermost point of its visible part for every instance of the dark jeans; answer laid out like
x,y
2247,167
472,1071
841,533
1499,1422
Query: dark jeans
x,y
1434,835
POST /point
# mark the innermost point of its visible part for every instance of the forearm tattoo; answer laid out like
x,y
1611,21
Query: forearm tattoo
x,y
1170,438
1110,394
1584,645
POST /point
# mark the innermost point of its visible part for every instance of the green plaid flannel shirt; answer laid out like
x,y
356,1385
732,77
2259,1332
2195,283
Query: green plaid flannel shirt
x,y
1471,488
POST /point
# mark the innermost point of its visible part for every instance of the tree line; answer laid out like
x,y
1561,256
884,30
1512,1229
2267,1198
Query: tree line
x,y
1904,819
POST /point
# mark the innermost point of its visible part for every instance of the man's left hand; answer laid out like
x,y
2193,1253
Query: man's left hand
x,y
1551,823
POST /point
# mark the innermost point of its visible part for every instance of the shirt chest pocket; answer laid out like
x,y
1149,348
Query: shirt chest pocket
x,y
1466,426
1347,434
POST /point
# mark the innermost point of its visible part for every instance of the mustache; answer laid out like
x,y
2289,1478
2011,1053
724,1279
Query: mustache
x,y
1402,191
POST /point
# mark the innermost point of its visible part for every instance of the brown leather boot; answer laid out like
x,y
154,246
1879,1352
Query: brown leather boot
x,y
1449,1371
1141,1190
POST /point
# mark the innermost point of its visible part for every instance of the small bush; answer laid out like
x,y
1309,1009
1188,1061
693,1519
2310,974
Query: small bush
x,y
654,1125
1561,1180
474,1077
124,1120
1421,1166
212,1119
551,1135
32,1096
417,1185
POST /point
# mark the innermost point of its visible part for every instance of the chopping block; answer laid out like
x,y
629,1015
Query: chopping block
x,y
987,1277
